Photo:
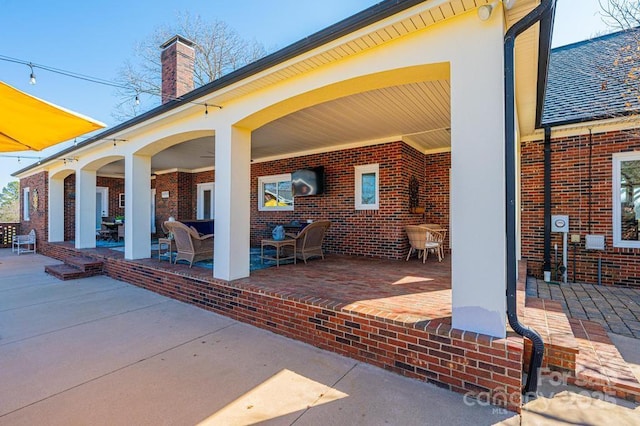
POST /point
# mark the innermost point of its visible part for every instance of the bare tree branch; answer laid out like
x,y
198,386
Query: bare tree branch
x,y
219,50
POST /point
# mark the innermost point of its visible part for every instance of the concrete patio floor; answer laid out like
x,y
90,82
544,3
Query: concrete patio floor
x,y
100,351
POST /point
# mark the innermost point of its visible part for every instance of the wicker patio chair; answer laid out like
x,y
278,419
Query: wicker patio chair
x,y
435,240
441,235
190,246
423,240
309,240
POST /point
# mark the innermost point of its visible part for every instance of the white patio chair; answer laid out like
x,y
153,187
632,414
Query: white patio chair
x,y
24,243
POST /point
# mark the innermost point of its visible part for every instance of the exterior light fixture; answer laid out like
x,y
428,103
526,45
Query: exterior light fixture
x,y
484,12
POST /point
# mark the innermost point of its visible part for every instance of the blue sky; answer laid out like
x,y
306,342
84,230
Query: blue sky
x,y
95,38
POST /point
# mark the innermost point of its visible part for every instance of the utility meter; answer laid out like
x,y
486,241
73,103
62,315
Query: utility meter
x,y
559,223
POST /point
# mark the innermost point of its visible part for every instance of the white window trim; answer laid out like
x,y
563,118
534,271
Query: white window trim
x,y
616,213
359,171
271,179
26,192
200,201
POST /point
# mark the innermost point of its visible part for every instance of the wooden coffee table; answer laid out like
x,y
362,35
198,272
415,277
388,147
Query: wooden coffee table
x,y
278,244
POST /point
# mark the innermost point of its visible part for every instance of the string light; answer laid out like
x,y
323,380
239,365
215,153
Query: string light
x,y
32,77
20,156
72,74
115,141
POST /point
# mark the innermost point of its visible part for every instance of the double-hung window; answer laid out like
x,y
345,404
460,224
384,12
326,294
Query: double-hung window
x,y
274,193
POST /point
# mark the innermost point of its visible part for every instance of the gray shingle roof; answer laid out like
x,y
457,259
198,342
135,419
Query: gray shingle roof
x,y
590,80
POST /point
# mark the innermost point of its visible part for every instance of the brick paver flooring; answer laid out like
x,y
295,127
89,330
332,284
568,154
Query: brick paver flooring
x,y
615,308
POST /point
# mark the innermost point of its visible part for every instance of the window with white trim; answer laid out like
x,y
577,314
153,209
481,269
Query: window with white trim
x,y
205,206
626,199
274,193
367,187
25,203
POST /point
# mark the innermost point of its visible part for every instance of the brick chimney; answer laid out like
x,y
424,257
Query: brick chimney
x,y
177,58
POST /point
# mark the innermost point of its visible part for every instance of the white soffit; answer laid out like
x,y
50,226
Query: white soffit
x,y
411,20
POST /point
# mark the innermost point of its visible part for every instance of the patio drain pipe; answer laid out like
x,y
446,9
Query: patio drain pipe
x,y
547,204
543,13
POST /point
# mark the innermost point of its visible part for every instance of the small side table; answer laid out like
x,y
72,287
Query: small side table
x,y
288,242
169,246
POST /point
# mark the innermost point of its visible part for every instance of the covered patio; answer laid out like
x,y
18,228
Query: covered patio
x,y
382,99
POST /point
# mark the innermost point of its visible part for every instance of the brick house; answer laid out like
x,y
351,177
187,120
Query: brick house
x,y
390,94
363,94
590,132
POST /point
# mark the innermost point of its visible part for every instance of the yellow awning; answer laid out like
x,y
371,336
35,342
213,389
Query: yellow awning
x,y
29,123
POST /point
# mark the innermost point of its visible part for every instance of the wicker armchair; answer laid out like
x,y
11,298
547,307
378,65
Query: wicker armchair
x,y
441,234
190,245
309,240
423,240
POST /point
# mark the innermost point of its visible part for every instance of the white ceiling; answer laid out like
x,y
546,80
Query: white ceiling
x,y
418,113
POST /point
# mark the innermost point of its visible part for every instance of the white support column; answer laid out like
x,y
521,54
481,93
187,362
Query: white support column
x,y
85,209
55,210
137,207
478,184
232,223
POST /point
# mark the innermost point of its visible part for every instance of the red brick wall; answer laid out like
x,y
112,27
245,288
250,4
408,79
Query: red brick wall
x,y
116,187
369,233
570,195
436,177
69,207
166,207
377,233
38,220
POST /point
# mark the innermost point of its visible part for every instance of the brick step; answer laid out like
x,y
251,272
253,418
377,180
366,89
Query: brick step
x,y
64,272
600,366
561,347
75,268
85,264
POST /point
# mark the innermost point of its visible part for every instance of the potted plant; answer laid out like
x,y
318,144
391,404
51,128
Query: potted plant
x,y
119,219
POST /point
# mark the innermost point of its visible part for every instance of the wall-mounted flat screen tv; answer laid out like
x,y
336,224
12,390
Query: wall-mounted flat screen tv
x,y
307,182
